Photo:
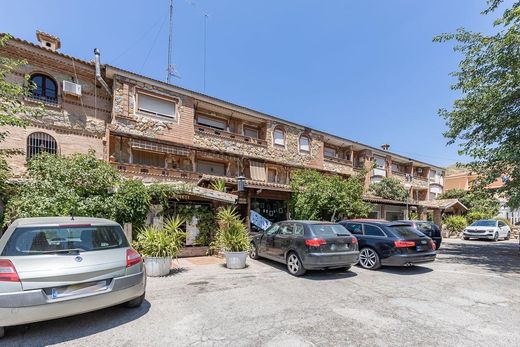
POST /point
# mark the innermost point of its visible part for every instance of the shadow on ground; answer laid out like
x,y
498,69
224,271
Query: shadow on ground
x,y
405,271
72,328
502,257
316,275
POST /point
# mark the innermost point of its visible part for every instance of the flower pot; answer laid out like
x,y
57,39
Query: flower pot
x,y
156,267
236,260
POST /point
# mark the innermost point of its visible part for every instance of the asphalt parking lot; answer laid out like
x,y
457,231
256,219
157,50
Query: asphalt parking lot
x,y
469,297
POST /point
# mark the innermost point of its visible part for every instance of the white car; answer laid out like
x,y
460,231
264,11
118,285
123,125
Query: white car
x,y
487,229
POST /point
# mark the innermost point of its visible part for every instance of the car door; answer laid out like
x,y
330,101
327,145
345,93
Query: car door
x,y
282,240
267,240
376,238
356,229
503,229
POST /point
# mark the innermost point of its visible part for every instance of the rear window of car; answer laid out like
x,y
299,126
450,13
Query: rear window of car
x,y
423,226
328,229
405,231
42,240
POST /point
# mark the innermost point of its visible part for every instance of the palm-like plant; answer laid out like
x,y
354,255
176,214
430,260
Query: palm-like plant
x,y
161,242
232,233
219,185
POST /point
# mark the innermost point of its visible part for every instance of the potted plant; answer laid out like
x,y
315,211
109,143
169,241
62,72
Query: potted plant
x,y
232,238
158,245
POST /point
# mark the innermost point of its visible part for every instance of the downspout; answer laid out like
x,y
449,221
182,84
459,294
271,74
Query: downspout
x,y
98,72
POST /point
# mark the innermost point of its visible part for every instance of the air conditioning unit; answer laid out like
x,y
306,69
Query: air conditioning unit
x,y
71,88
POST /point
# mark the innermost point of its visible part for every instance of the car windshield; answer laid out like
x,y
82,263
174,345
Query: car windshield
x,y
424,226
329,229
405,231
62,239
484,223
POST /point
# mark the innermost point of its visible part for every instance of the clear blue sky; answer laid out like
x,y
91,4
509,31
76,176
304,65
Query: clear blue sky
x,y
365,70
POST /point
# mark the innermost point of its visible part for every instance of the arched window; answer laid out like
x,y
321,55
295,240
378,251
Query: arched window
x,y
305,144
44,88
40,142
279,137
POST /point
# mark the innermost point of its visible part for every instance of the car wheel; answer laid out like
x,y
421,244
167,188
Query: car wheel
x,y
294,264
253,252
369,259
134,303
495,237
508,236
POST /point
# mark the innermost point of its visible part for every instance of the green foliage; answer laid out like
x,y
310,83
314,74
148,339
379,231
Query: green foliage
x,y
206,221
232,235
323,197
485,120
413,215
476,215
79,185
455,224
389,188
218,185
161,193
161,242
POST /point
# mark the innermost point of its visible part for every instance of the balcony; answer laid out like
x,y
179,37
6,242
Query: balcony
x,y
159,173
201,129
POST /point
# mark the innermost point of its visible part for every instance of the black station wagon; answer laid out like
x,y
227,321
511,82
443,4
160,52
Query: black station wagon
x,y
306,245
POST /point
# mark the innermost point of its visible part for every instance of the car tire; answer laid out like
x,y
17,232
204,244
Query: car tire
x,y
495,237
253,252
508,236
2,332
134,303
369,259
294,264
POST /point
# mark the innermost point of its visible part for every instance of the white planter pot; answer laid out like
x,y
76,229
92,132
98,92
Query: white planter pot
x,y
236,260
156,267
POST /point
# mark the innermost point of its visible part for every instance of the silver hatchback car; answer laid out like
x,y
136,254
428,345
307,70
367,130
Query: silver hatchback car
x,y
54,267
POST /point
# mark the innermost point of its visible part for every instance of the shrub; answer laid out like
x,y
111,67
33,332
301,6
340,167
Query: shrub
x,y
476,215
389,188
161,242
455,224
232,235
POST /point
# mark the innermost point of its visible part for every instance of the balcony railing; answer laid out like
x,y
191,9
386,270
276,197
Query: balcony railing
x,y
147,170
46,100
229,135
338,160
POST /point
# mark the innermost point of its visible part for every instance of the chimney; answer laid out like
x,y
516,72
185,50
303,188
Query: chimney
x,y
385,147
48,41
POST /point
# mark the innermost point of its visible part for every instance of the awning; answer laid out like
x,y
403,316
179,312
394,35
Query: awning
x,y
257,170
202,192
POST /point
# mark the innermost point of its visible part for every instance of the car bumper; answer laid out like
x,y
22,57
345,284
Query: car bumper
x,y
408,259
478,236
330,260
34,305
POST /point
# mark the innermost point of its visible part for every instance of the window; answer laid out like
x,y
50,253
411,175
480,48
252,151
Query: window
x,y
271,175
329,229
380,162
286,229
371,230
305,144
279,137
44,88
148,158
251,132
405,231
40,142
212,122
273,229
354,228
156,106
211,168
329,152
298,229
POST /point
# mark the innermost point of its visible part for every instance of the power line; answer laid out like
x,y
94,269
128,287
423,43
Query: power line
x,y
153,45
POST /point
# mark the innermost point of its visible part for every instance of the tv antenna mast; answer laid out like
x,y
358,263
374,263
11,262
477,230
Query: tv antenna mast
x,y
171,70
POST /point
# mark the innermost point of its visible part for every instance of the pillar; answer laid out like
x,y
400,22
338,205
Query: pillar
x,y
437,217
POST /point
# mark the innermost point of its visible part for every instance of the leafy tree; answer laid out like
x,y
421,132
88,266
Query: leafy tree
x,y
320,197
389,188
485,119
79,185
478,201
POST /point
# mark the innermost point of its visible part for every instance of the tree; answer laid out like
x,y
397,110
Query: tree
x,y
79,185
478,201
320,197
389,188
11,105
485,120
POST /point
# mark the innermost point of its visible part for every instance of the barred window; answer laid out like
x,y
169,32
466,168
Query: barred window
x,y
45,89
41,142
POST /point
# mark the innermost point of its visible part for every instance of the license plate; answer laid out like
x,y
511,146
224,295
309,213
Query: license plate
x,y
338,247
421,248
78,289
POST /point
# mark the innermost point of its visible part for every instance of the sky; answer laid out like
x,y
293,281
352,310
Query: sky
x,y
364,70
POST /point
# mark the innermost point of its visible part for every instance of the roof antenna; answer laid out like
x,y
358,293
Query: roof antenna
x,y
171,70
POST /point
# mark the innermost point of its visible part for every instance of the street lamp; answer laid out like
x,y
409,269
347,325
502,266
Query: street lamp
x,y
241,183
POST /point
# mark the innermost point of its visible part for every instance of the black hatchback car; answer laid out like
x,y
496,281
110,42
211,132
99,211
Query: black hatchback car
x,y
390,243
428,228
306,245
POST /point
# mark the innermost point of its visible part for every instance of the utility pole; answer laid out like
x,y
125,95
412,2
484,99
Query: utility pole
x,y
171,68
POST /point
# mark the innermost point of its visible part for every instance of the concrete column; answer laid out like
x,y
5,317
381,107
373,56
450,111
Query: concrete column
x,y
437,217
423,213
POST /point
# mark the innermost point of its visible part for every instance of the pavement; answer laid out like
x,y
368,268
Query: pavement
x,y
470,296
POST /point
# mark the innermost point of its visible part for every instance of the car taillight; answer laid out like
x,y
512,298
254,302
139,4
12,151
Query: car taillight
x,y
404,244
8,271
132,257
434,246
354,241
315,242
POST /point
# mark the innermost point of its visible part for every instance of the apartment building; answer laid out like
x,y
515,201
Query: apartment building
x,y
164,133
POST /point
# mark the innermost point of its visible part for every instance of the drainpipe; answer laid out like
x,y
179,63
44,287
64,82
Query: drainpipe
x,y
98,72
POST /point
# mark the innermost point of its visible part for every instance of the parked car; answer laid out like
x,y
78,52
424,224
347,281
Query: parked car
x,y
56,267
390,243
487,229
306,245
428,228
